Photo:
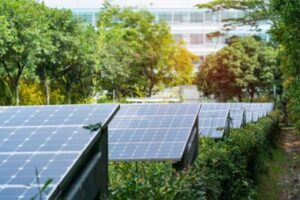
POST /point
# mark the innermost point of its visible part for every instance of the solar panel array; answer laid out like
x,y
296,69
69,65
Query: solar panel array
x,y
253,111
49,139
213,119
151,131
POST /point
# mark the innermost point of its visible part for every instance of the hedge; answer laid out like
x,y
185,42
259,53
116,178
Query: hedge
x,y
224,169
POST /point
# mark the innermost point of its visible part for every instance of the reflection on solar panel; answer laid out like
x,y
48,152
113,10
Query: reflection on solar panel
x,y
50,139
151,131
213,119
237,118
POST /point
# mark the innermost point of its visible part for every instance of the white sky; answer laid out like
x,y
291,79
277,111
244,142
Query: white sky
x,y
133,3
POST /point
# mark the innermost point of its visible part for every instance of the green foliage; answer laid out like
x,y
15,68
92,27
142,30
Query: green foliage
x,y
245,64
256,12
225,169
6,95
138,55
285,29
31,93
25,27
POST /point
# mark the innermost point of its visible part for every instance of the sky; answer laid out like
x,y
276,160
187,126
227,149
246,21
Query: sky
x,y
133,3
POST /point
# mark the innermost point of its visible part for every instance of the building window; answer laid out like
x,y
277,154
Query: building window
x,y
227,15
167,17
224,38
178,37
196,39
211,40
180,17
212,17
197,17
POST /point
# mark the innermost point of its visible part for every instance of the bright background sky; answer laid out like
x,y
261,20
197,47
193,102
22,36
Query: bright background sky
x,y
133,3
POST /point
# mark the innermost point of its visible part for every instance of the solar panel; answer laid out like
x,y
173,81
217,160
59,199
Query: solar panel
x,y
237,118
151,131
49,140
213,119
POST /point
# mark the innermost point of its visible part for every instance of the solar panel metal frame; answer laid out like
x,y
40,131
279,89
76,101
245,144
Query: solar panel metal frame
x,y
62,189
189,141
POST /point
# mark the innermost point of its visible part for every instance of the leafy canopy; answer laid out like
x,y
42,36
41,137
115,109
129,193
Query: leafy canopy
x,y
246,64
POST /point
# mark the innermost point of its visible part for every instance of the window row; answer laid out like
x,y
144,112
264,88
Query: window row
x,y
176,17
203,38
197,17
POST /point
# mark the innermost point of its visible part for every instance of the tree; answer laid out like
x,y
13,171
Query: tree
x,y
138,55
77,63
28,34
256,12
284,19
183,63
71,57
286,31
245,64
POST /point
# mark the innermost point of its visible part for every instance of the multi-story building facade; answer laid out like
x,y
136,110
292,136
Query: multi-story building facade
x,y
187,22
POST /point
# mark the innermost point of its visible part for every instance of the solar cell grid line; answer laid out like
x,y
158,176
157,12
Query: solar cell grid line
x,y
215,106
151,131
213,119
248,112
237,118
237,106
39,137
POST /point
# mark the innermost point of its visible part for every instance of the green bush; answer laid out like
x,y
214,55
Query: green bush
x,y
224,169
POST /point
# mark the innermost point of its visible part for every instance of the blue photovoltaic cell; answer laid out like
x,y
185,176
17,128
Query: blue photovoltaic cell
x,y
215,106
49,139
212,123
236,118
151,131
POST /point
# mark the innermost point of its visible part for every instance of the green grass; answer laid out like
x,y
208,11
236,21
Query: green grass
x,y
268,187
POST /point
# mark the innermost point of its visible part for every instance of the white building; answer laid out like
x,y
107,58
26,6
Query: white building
x,y
186,20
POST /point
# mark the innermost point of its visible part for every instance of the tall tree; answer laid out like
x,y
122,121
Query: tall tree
x,y
284,19
286,31
71,57
27,25
138,54
246,64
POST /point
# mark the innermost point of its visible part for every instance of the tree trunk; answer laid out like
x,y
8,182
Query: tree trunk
x,y
251,91
69,96
251,96
47,90
150,89
17,94
68,90
240,98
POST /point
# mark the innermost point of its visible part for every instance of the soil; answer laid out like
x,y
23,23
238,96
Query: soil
x,y
290,180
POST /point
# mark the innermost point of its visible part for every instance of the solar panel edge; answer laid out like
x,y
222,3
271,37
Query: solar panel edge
x,y
195,123
77,166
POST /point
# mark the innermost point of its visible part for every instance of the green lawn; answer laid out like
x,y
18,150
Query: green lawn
x,y
268,188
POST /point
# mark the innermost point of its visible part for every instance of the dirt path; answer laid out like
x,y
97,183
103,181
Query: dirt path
x,y
290,180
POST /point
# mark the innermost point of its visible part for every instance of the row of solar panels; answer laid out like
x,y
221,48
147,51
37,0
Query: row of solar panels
x,y
39,143
215,119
